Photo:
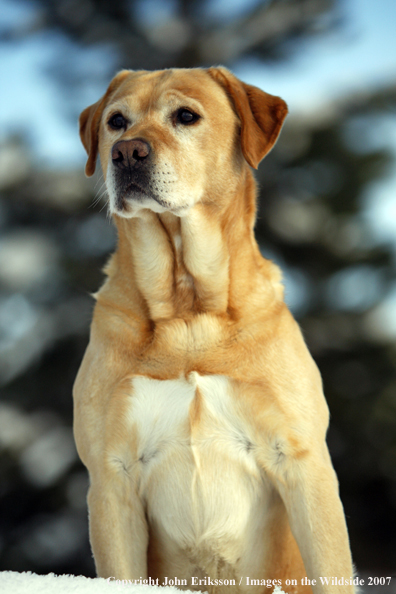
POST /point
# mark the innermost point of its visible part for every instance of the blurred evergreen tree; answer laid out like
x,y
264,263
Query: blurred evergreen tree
x,y
310,220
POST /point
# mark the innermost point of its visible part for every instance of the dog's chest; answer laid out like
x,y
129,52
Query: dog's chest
x,y
195,459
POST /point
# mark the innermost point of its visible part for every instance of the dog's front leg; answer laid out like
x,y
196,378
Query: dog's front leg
x,y
309,490
118,528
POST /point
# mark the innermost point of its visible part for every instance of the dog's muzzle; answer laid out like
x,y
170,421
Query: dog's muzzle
x,y
132,162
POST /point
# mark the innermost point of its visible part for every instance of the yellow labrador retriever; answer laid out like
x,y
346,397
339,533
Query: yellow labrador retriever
x,y
199,412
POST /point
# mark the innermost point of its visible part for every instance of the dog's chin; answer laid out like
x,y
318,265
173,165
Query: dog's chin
x,y
130,203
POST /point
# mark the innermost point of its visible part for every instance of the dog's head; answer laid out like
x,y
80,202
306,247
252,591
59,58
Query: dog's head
x,y
172,138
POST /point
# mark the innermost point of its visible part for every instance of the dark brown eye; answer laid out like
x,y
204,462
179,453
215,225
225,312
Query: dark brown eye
x,y
117,121
186,117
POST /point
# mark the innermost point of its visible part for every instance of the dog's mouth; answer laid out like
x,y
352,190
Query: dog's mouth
x,y
134,191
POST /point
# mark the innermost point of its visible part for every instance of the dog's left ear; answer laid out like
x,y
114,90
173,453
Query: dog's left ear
x,y
90,120
261,114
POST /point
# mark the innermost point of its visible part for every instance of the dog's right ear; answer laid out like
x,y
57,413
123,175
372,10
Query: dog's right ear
x,y
90,120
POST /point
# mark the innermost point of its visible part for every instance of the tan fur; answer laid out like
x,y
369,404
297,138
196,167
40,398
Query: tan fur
x,y
199,412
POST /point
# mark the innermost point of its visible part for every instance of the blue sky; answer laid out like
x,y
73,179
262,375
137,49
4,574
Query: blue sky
x,y
361,55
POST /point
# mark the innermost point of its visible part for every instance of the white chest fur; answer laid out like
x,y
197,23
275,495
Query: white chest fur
x,y
197,470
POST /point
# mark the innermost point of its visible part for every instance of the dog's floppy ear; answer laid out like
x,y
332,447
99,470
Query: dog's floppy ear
x,y
89,123
261,114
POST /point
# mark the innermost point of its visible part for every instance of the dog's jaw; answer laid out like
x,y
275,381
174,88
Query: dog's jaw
x,y
159,191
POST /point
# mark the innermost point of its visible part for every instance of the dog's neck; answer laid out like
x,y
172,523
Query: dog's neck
x,y
207,261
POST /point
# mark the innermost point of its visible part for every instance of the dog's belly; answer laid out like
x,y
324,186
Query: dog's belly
x,y
205,497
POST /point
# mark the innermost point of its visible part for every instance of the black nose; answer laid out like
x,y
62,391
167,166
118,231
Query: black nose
x,y
130,153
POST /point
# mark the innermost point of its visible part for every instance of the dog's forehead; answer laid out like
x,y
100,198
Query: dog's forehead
x,y
148,89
